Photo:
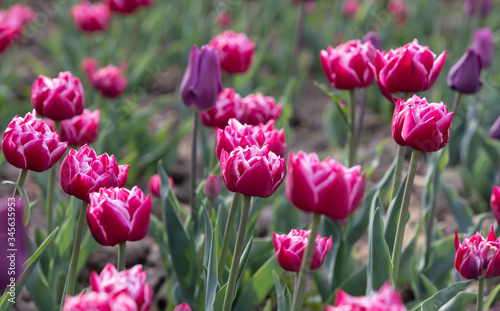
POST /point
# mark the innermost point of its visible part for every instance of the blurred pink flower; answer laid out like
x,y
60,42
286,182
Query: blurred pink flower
x,y
236,51
382,300
260,109
228,105
108,80
91,17
92,301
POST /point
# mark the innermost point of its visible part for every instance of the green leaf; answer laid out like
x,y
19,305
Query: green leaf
x,y
429,285
326,90
439,299
463,214
374,164
391,223
459,302
362,219
282,294
488,302
40,290
442,258
244,259
379,259
211,279
258,287
156,230
219,298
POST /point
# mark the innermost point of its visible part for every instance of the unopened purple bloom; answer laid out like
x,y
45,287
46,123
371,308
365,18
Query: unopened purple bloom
x,y
483,45
374,39
464,76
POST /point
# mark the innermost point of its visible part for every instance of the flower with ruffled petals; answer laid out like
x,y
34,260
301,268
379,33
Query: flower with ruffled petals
x,y
91,17
236,51
108,80
228,105
81,129
92,301
183,307
259,108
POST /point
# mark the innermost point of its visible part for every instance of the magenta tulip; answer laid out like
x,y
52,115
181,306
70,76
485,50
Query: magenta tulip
x,y
350,7
236,51
290,249
260,109
132,282
99,302
252,171
59,98
347,66
228,106
127,6
183,307
244,135
117,215
478,257
12,22
213,186
154,185
83,172
421,125
29,144
325,187
109,80
91,17
81,129
495,202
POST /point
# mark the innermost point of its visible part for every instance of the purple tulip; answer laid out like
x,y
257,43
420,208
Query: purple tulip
x,y
201,83
374,39
483,45
470,7
495,129
464,76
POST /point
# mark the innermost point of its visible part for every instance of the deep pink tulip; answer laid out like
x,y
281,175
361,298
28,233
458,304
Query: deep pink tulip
x,y
20,14
91,17
224,19
28,143
108,80
495,202
12,22
421,125
483,45
244,135
260,109
398,8
290,249
347,66
83,172
213,186
126,6
154,185
478,257
382,300
132,282
183,307
350,7
228,105
92,301
117,215
8,34
59,98
201,83
409,69
252,171
236,51
81,129
325,187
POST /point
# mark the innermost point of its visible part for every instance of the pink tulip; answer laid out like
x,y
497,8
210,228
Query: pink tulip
x,y
91,17
20,14
92,301
350,7
81,129
228,105
127,6
224,19
243,135
260,109
325,187
495,202
154,185
236,51
29,144
131,282
183,307
409,69
398,8
83,172
59,98
12,22
290,249
382,300
108,80
117,215
252,171
478,257
421,125
213,186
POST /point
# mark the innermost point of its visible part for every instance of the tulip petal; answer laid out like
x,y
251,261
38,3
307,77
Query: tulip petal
x,y
404,75
299,188
436,69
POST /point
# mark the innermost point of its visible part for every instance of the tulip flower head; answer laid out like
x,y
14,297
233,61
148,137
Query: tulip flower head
x,y
154,185
495,202
109,80
260,109
201,83
131,282
478,257
484,46
382,300
421,125
464,76
236,51
290,249
228,105
59,98
28,143
471,5
243,135
252,171
374,39
213,186
183,307
350,7
348,65
91,17
127,6
100,302
224,19
83,172
398,9
12,22
81,129
323,187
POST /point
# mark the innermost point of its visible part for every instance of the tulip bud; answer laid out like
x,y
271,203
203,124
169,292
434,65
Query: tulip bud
x,y
260,109
464,76
350,7
131,282
83,172
374,39
91,17
154,185
99,302
478,257
290,249
29,144
495,202
421,125
59,98
228,106
252,171
236,51
325,187
483,45
81,129
201,83
495,129
183,307
471,5
213,186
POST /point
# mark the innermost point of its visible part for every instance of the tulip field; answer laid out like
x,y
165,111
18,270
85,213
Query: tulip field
x,y
249,155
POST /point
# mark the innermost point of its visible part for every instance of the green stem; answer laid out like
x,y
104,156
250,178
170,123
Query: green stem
x,y
300,285
227,235
403,215
352,134
233,274
456,101
480,295
122,247
210,206
192,178
396,179
70,286
20,180
51,189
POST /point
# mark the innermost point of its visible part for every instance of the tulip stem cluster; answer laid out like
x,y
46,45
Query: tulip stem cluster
x,y
122,247
396,179
298,296
192,176
480,295
403,215
20,180
233,274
